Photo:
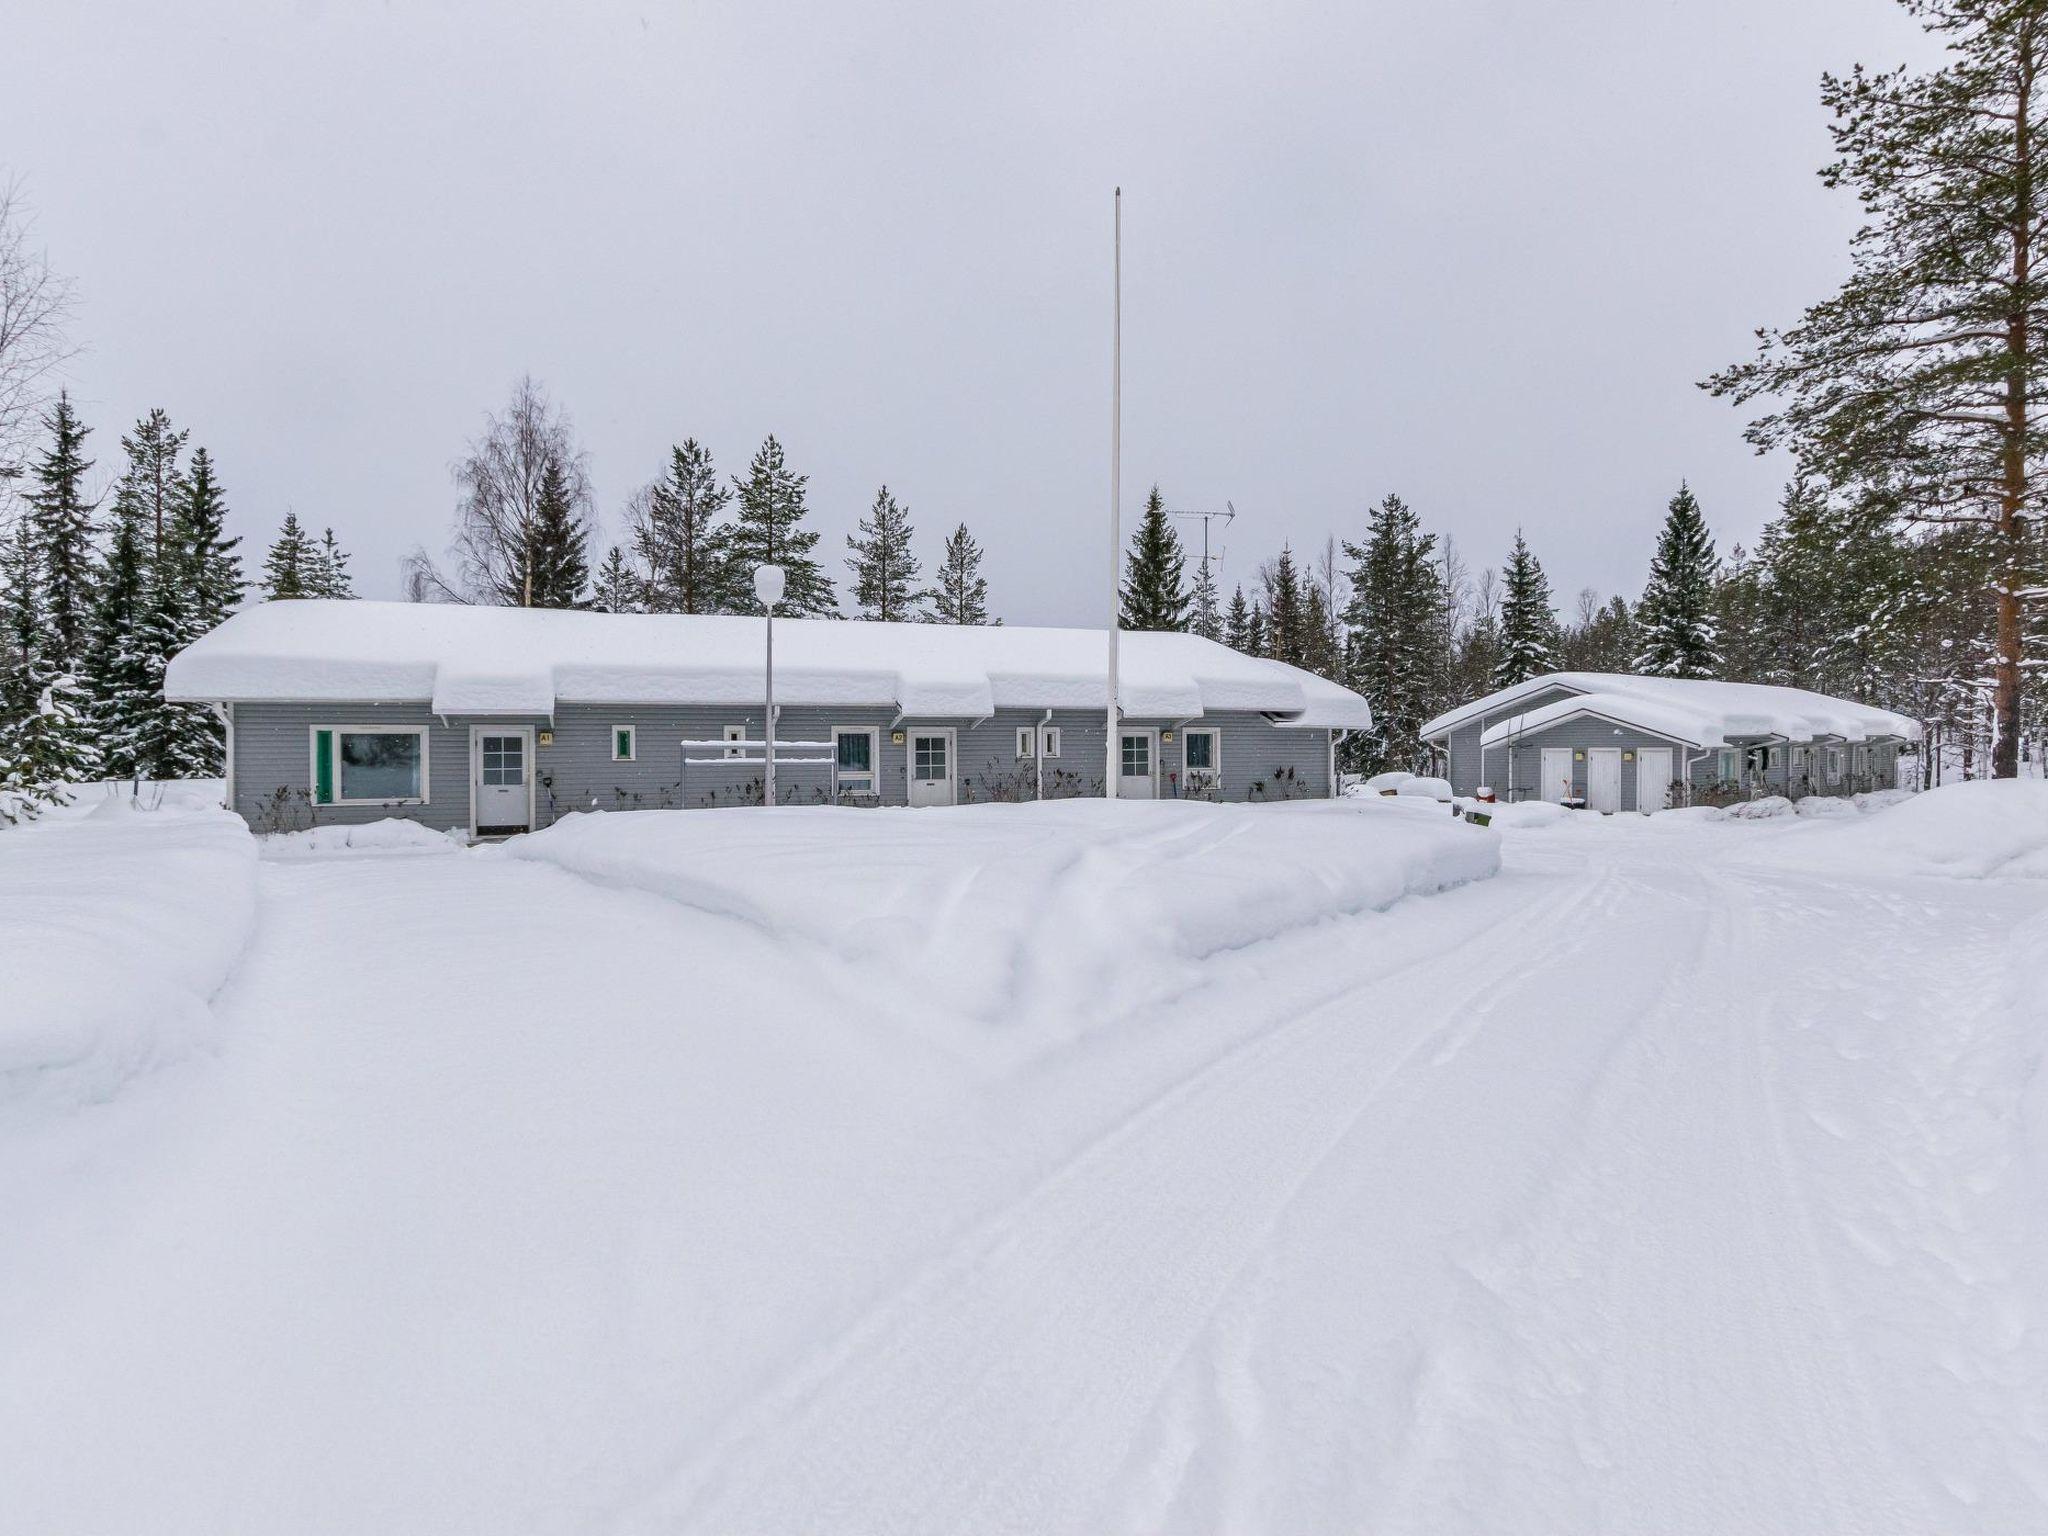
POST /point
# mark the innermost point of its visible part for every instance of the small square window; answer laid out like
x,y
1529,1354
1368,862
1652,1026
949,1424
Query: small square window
x,y
625,743
734,733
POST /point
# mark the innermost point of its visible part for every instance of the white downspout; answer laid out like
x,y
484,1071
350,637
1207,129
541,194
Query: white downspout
x,y
1038,752
1336,740
227,719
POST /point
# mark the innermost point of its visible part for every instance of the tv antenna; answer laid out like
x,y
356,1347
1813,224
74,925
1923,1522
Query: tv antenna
x,y
1228,516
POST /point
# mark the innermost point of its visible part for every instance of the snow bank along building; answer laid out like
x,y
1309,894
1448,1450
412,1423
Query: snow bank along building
x,y
495,720
1624,743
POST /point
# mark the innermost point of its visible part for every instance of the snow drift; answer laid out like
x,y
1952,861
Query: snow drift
x,y
392,834
116,929
1061,914
1971,831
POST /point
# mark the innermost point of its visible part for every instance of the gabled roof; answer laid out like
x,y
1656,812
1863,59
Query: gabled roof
x,y
1703,712
523,661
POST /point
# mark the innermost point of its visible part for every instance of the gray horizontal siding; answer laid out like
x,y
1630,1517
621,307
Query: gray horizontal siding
x,y
1467,767
575,771
1513,772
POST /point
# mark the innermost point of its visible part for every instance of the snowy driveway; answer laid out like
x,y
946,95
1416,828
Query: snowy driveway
x,y
1636,1189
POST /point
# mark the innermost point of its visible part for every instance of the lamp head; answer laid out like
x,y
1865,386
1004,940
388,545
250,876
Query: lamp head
x,y
769,581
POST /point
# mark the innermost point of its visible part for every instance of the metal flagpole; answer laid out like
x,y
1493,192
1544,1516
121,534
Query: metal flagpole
x,y
768,587
1114,755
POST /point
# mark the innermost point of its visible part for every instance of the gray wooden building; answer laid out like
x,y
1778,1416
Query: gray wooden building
x,y
1617,742
494,721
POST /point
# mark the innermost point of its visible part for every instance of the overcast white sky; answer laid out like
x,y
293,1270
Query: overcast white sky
x,y
1476,253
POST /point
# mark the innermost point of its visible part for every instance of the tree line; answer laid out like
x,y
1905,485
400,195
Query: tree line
x,y
100,588
525,529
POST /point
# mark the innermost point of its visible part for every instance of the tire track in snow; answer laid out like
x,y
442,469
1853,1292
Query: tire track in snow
x,y
917,1392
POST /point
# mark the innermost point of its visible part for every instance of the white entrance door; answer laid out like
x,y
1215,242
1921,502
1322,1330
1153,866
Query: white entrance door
x,y
501,779
931,767
1653,779
1557,774
1603,779
1138,758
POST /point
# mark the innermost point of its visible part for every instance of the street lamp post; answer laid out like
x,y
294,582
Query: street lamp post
x,y
768,586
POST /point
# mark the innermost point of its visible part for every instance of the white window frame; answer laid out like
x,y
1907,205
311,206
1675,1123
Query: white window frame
x,y
425,734
632,743
1027,742
1729,765
1834,765
1212,776
734,733
1049,735
874,773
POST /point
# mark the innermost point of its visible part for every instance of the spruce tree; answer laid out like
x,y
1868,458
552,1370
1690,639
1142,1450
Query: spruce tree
x,y
153,477
680,538
117,672
1285,628
1396,655
1320,650
768,529
551,568
884,569
1205,613
289,568
618,587
1154,594
46,751
63,519
327,570
24,668
962,593
1528,623
1237,625
1676,615
205,553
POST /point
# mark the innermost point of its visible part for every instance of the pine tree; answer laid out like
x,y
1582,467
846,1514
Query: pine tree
x,y
1285,629
23,665
1528,623
1154,595
551,568
1397,657
618,588
1205,614
46,751
153,477
117,672
289,568
205,552
962,594
1237,625
680,538
327,570
1676,615
768,529
63,519
884,569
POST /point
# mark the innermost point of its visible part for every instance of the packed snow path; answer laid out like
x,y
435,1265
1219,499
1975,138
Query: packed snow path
x,y
1637,1189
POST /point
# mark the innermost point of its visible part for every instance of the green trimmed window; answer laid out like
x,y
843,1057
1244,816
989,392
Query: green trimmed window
x,y
625,743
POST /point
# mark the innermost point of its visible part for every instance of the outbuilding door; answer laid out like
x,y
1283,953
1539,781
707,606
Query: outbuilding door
x,y
1603,779
501,779
1137,765
931,767
1653,779
1556,786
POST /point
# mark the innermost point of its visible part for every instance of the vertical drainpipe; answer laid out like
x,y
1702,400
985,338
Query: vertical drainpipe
x,y
1336,740
1038,752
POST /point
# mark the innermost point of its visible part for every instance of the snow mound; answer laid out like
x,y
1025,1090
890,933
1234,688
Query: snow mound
x,y
116,929
1765,809
393,833
1059,915
1827,808
1521,814
117,797
1978,830
1383,783
1429,789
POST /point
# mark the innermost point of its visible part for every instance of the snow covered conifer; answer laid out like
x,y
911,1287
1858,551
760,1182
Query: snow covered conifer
x,y
551,566
46,751
288,567
1285,629
618,587
1154,592
153,477
62,518
23,669
1237,625
1397,652
768,529
884,569
1528,624
327,569
117,675
962,594
1676,615
680,537
1205,613
206,554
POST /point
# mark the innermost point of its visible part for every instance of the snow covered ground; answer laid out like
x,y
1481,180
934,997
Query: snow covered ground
x,y
658,1174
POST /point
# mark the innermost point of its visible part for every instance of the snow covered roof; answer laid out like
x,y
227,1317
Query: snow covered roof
x,y
1701,712
507,661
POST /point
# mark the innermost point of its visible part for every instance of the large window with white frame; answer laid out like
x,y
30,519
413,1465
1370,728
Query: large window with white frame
x,y
1202,759
856,760
369,765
